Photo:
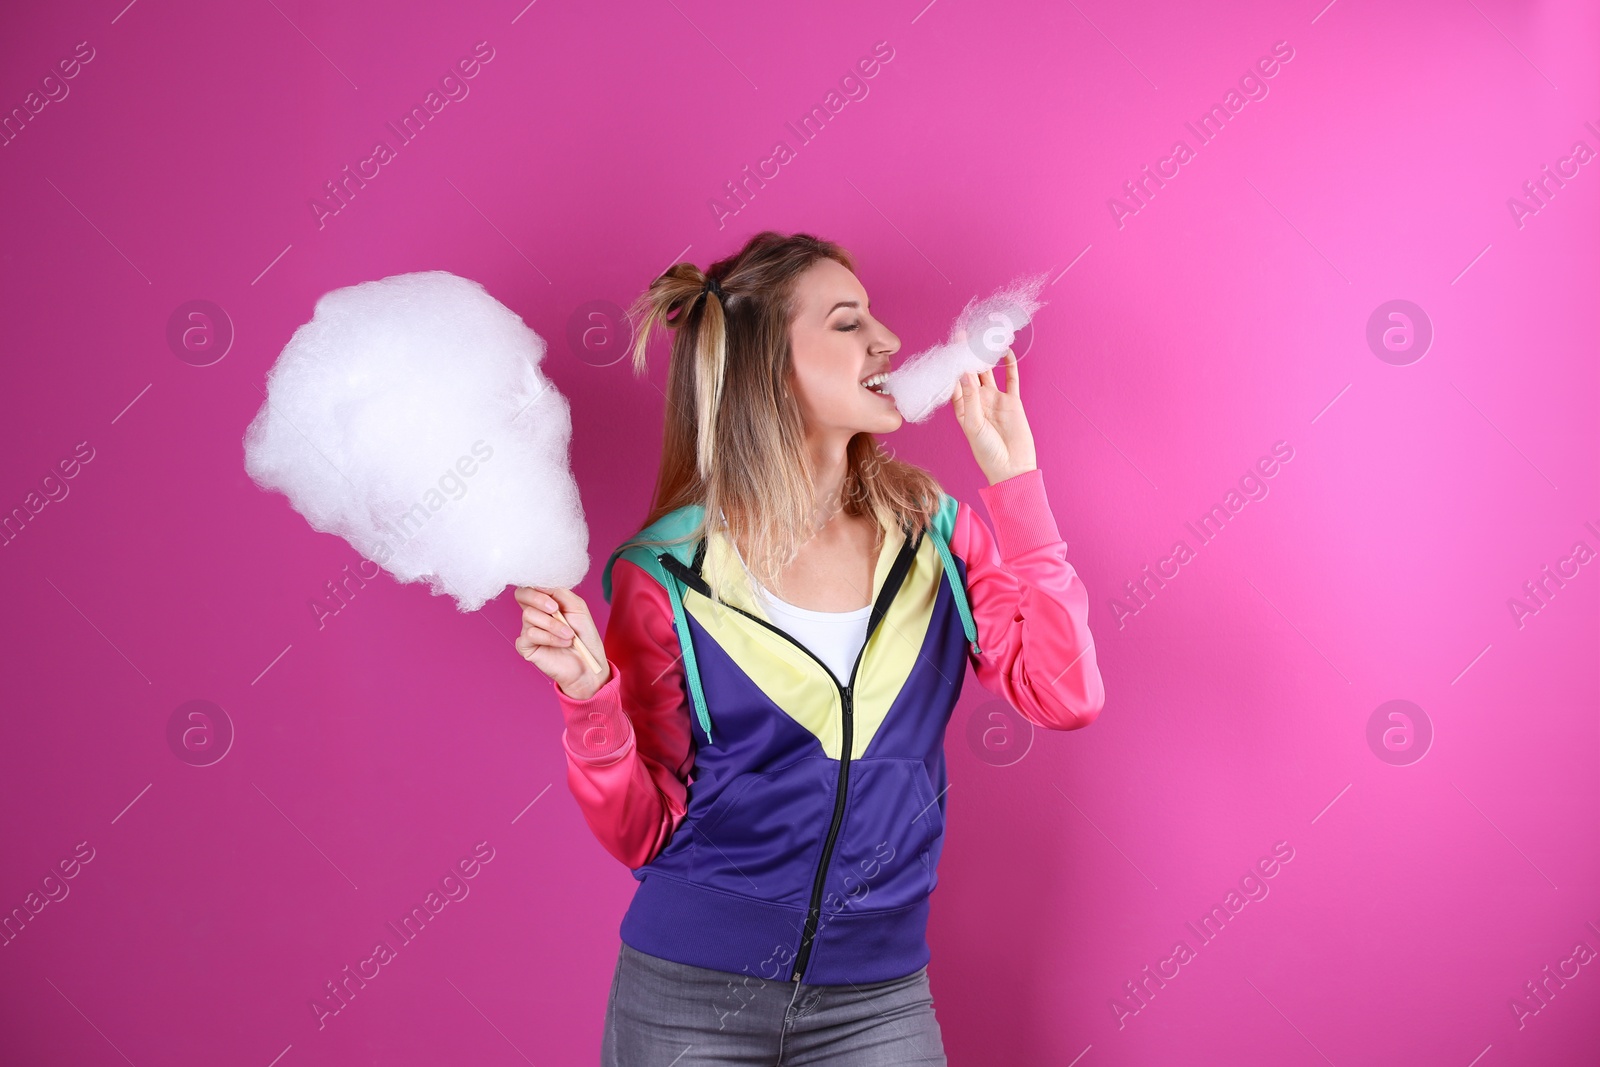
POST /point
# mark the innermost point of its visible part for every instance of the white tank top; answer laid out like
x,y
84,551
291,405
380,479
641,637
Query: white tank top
x,y
834,637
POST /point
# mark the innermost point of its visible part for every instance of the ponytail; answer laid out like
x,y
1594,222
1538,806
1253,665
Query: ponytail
x,y
680,300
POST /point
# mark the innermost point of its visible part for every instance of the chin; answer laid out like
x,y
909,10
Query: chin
x,y
887,418
876,418
881,422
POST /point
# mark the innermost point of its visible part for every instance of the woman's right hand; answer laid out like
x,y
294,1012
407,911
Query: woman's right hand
x,y
547,644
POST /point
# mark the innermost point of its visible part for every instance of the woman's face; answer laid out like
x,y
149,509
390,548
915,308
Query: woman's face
x,y
836,345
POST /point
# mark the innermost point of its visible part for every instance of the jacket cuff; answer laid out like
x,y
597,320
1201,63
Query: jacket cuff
x,y
1021,513
597,730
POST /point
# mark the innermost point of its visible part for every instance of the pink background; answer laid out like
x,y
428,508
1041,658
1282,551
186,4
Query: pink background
x,y
371,754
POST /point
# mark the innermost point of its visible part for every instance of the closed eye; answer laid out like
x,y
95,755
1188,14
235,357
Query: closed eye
x,y
848,327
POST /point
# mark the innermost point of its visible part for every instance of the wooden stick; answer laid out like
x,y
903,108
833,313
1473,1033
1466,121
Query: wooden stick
x,y
578,646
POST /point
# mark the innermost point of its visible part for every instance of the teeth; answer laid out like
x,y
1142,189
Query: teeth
x,y
876,379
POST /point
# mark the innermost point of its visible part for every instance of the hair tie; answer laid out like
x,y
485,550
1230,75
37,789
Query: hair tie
x,y
711,285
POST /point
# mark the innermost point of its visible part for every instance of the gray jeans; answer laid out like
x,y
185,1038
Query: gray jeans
x,y
666,1014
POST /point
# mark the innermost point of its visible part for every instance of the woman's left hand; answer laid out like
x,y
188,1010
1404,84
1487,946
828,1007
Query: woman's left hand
x,y
994,422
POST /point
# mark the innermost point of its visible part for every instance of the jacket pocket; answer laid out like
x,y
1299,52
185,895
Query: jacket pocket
x,y
930,854
763,835
889,844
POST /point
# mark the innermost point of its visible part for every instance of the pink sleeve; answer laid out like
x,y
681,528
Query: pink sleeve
x,y
1030,607
629,749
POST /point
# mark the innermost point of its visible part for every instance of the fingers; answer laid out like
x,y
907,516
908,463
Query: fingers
x,y
986,379
964,400
532,637
542,624
539,606
569,602
536,596
549,599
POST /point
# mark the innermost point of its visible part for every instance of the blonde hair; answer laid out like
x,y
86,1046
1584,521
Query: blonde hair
x,y
734,437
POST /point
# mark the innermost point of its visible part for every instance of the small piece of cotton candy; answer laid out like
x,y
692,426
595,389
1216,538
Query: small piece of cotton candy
x,y
409,417
978,340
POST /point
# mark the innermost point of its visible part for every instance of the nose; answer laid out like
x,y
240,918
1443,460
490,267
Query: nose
x,y
886,341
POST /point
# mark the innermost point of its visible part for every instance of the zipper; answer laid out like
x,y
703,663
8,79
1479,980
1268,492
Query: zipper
x,y
891,586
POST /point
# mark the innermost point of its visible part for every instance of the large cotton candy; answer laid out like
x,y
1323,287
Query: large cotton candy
x,y
981,334
409,416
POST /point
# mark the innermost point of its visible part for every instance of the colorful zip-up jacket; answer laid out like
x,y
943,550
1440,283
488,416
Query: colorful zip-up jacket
x,y
780,824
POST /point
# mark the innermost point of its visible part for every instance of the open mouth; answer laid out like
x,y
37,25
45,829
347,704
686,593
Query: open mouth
x,y
875,383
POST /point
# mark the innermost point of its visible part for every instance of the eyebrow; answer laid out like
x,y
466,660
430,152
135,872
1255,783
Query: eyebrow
x,y
844,304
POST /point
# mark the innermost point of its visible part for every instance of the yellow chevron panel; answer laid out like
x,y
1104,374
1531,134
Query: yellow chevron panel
x,y
894,647
796,683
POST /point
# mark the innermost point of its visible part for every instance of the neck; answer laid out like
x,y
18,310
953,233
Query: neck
x,y
829,464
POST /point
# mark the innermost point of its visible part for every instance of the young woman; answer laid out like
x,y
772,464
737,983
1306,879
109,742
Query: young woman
x,y
788,636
